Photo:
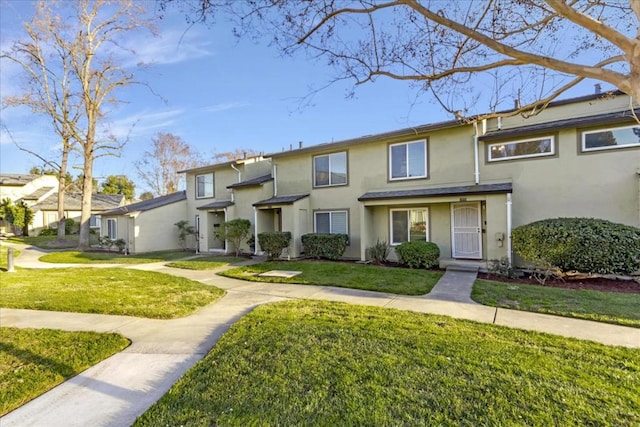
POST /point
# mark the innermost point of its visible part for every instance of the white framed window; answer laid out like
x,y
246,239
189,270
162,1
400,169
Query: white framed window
x,y
408,160
112,229
94,221
330,169
331,222
204,186
525,148
409,225
52,219
611,138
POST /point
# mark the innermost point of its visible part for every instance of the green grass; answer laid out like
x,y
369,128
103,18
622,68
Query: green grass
x,y
320,363
49,242
345,275
3,256
77,257
33,361
610,307
105,291
206,263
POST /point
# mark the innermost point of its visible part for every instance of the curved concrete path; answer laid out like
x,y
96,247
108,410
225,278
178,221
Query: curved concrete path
x,y
121,388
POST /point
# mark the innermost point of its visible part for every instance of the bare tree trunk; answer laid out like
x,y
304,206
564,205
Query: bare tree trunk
x,y
62,189
87,191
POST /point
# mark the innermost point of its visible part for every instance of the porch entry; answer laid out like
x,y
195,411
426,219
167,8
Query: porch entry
x,y
466,230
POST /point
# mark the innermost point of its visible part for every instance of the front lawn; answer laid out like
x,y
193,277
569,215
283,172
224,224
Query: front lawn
x,y
50,242
77,257
393,280
206,262
33,361
610,307
321,363
105,291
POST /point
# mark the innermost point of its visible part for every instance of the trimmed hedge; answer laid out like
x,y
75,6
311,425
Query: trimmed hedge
x,y
587,245
418,254
272,243
329,246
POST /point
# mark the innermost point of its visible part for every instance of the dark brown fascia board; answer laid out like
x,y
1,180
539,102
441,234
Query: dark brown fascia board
x,y
467,190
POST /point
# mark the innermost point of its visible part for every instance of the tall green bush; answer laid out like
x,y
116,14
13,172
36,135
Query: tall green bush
x,y
320,245
587,245
272,243
418,254
235,231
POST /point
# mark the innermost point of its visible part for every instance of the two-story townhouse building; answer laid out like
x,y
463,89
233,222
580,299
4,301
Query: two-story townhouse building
x,y
461,185
222,192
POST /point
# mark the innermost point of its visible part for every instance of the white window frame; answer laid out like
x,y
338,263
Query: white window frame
x,y
609,147
408,211
551,139
97,219
315,221
330,184
426,155
110,228
52,223
213,185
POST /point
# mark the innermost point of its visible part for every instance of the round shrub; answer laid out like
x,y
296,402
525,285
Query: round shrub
x,y
587,245
418,254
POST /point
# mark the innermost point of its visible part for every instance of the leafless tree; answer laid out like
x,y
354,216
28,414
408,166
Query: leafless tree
x,y
472,55
159,167
47,91
87,36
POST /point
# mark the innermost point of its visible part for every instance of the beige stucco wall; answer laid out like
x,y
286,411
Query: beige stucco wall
x,y
154,230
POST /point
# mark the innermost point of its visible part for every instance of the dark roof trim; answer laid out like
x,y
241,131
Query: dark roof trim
x,y
467,190
147,205
415,131
281,200
252,182
577,122
216,205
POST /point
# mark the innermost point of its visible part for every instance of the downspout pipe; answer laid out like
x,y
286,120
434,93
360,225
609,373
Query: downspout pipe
x,y
255,230
237,170
275,180
476,161
509,255
226,242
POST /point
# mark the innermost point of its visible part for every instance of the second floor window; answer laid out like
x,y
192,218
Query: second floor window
x,y
536,147
408,160
330,169
204,186
606,139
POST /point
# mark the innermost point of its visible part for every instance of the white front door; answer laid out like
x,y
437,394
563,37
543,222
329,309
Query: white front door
x,y
466,230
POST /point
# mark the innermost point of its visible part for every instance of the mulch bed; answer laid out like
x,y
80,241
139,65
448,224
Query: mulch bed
x,y
594,284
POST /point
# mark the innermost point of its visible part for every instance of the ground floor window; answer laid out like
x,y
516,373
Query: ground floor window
x,y
332,222
52,219
112,231
409,225
94,221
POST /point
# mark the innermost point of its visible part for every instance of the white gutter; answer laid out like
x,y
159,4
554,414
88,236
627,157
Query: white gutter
x,y
476,163
509,255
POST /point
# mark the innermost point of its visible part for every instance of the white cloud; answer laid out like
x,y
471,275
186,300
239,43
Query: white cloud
x,y
169,47
142,124
225,106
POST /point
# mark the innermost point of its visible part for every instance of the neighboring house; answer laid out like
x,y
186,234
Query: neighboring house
x,y
28,188
463,186
148,225
40,192
46,210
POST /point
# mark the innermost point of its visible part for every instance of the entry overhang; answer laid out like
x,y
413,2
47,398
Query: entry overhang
x,y
424,193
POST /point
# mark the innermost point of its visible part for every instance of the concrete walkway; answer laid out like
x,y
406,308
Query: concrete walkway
x,y
119,389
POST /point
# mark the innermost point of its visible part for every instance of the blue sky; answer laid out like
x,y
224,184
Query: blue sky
x,y
217,93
